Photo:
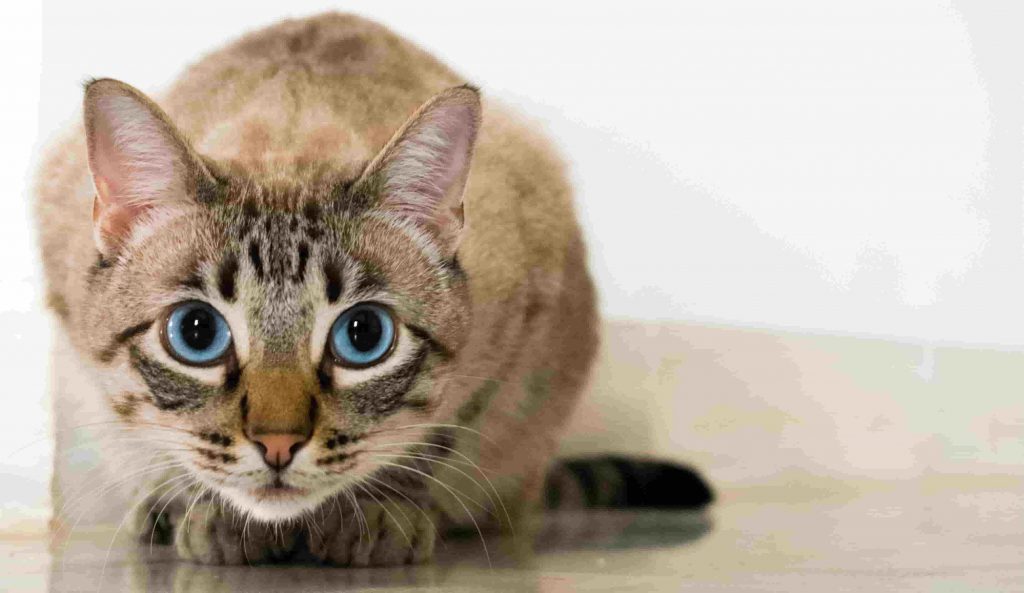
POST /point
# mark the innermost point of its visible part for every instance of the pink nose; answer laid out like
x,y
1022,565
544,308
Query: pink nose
x,y
278,449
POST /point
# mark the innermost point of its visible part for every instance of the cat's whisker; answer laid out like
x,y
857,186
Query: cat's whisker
x,y
188,509
341,514
188,483
433,446
383,506
357,511
180,447
120,525
406,454
133,425
104,425
76,497
490,485
383,460
451,491
245,535
453,426
69,536
401,448
493,379
426,516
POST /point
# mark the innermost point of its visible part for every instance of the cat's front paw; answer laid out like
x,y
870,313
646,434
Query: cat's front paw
x,y
375,533
209,533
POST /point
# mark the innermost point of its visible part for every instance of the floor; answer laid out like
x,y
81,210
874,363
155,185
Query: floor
x,y
938,533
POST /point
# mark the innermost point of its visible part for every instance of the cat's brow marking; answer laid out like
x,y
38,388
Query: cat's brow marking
x,y
255,258
108,353
368,281
193,280
426,337
300,268
332,281
226,277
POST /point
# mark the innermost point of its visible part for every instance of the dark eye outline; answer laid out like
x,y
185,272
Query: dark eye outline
x,y
336,357
166,342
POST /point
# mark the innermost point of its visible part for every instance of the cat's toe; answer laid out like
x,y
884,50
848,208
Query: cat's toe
x,y
212,535
376,534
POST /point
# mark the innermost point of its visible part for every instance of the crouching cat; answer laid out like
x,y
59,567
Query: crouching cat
x,y
320,300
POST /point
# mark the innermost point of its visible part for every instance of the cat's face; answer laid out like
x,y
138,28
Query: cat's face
x,y
278,343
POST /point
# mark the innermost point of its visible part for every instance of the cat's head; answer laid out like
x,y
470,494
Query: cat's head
x,y
278,340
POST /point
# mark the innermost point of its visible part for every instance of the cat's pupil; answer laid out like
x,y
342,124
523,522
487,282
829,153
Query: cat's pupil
x,y
364,330
198,329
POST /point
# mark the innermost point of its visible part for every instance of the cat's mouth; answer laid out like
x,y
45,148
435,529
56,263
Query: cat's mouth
x,y
278,490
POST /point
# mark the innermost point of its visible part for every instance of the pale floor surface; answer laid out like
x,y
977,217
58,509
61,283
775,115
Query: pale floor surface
x,y
938,533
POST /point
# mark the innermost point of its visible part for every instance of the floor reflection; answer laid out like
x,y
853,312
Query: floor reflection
x,y
89,562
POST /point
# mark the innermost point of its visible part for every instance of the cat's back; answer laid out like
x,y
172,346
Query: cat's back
x,y
303,95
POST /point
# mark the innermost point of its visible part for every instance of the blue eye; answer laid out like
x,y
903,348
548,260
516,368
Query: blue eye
x,y
363,335
196,334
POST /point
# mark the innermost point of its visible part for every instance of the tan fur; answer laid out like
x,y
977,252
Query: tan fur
x,y
305,100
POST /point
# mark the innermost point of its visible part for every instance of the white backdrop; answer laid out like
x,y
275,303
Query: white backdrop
x,y
839,167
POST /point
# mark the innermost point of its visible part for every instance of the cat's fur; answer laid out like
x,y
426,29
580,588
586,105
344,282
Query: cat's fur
x,y
277,189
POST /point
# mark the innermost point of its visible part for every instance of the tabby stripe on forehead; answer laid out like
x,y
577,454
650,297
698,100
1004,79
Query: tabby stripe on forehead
x,y
368,281
300,269
256,259
193,280
226,277
332,281
110,351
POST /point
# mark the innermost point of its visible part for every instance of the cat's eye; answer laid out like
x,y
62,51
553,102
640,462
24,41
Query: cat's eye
x,y
362,336
196,334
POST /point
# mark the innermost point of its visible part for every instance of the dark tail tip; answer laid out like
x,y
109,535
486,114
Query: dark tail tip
x,y
620,482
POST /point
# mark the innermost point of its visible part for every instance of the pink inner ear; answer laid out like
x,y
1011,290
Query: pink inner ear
x,y
134,162
425,174
455,124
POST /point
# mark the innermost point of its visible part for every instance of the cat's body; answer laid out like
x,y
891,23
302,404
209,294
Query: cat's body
x,y
319,302
277,225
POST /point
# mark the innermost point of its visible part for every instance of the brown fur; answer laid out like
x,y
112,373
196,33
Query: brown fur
x,y
287,113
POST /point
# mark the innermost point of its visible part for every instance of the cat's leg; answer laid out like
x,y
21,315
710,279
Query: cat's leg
x,y
205,531
384,529
209,532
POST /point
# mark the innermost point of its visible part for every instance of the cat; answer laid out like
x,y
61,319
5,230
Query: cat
x,y
320,298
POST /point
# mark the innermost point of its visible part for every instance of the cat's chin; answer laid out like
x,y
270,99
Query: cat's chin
x,y
274,504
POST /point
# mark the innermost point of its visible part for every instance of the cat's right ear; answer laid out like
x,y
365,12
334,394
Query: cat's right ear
x,y
141,165
421,173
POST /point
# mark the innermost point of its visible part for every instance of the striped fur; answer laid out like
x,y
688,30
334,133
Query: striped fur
x,y
616,482
300,170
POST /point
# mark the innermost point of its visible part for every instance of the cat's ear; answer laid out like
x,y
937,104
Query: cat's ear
x,y
141,165
421,173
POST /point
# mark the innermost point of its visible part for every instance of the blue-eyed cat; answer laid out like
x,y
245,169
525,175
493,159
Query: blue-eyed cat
x,y
321,282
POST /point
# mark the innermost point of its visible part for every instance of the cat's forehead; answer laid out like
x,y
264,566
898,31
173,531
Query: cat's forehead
x,y
280,263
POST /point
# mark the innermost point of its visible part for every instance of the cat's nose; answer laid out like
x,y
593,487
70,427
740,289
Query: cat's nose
x,y
279,449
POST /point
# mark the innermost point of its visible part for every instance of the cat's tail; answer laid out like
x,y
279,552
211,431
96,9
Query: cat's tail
x,y
612,481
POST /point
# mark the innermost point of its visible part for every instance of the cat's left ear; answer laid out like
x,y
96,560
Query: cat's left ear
x,y
421,173
141,165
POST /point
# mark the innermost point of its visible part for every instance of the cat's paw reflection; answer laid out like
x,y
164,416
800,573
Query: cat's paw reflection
x,y
375,533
